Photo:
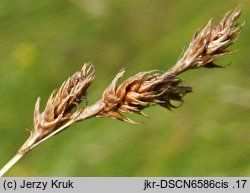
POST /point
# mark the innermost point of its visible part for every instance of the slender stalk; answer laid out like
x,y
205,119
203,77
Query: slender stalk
x,y
11,163
27,146
35,138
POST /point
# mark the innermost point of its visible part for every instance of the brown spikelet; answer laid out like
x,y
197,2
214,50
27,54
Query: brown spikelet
x,y
141,91
210,44
60,106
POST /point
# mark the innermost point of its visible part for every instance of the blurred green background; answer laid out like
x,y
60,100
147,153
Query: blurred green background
x,y
43,42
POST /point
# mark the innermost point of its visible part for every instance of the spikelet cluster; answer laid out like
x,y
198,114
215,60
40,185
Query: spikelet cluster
x,y
137,92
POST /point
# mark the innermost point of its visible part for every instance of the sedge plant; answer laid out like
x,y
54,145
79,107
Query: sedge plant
x,y
132,95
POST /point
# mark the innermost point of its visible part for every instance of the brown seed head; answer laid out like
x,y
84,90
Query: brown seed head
x,y
137,92
61,103
141,91
210,44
